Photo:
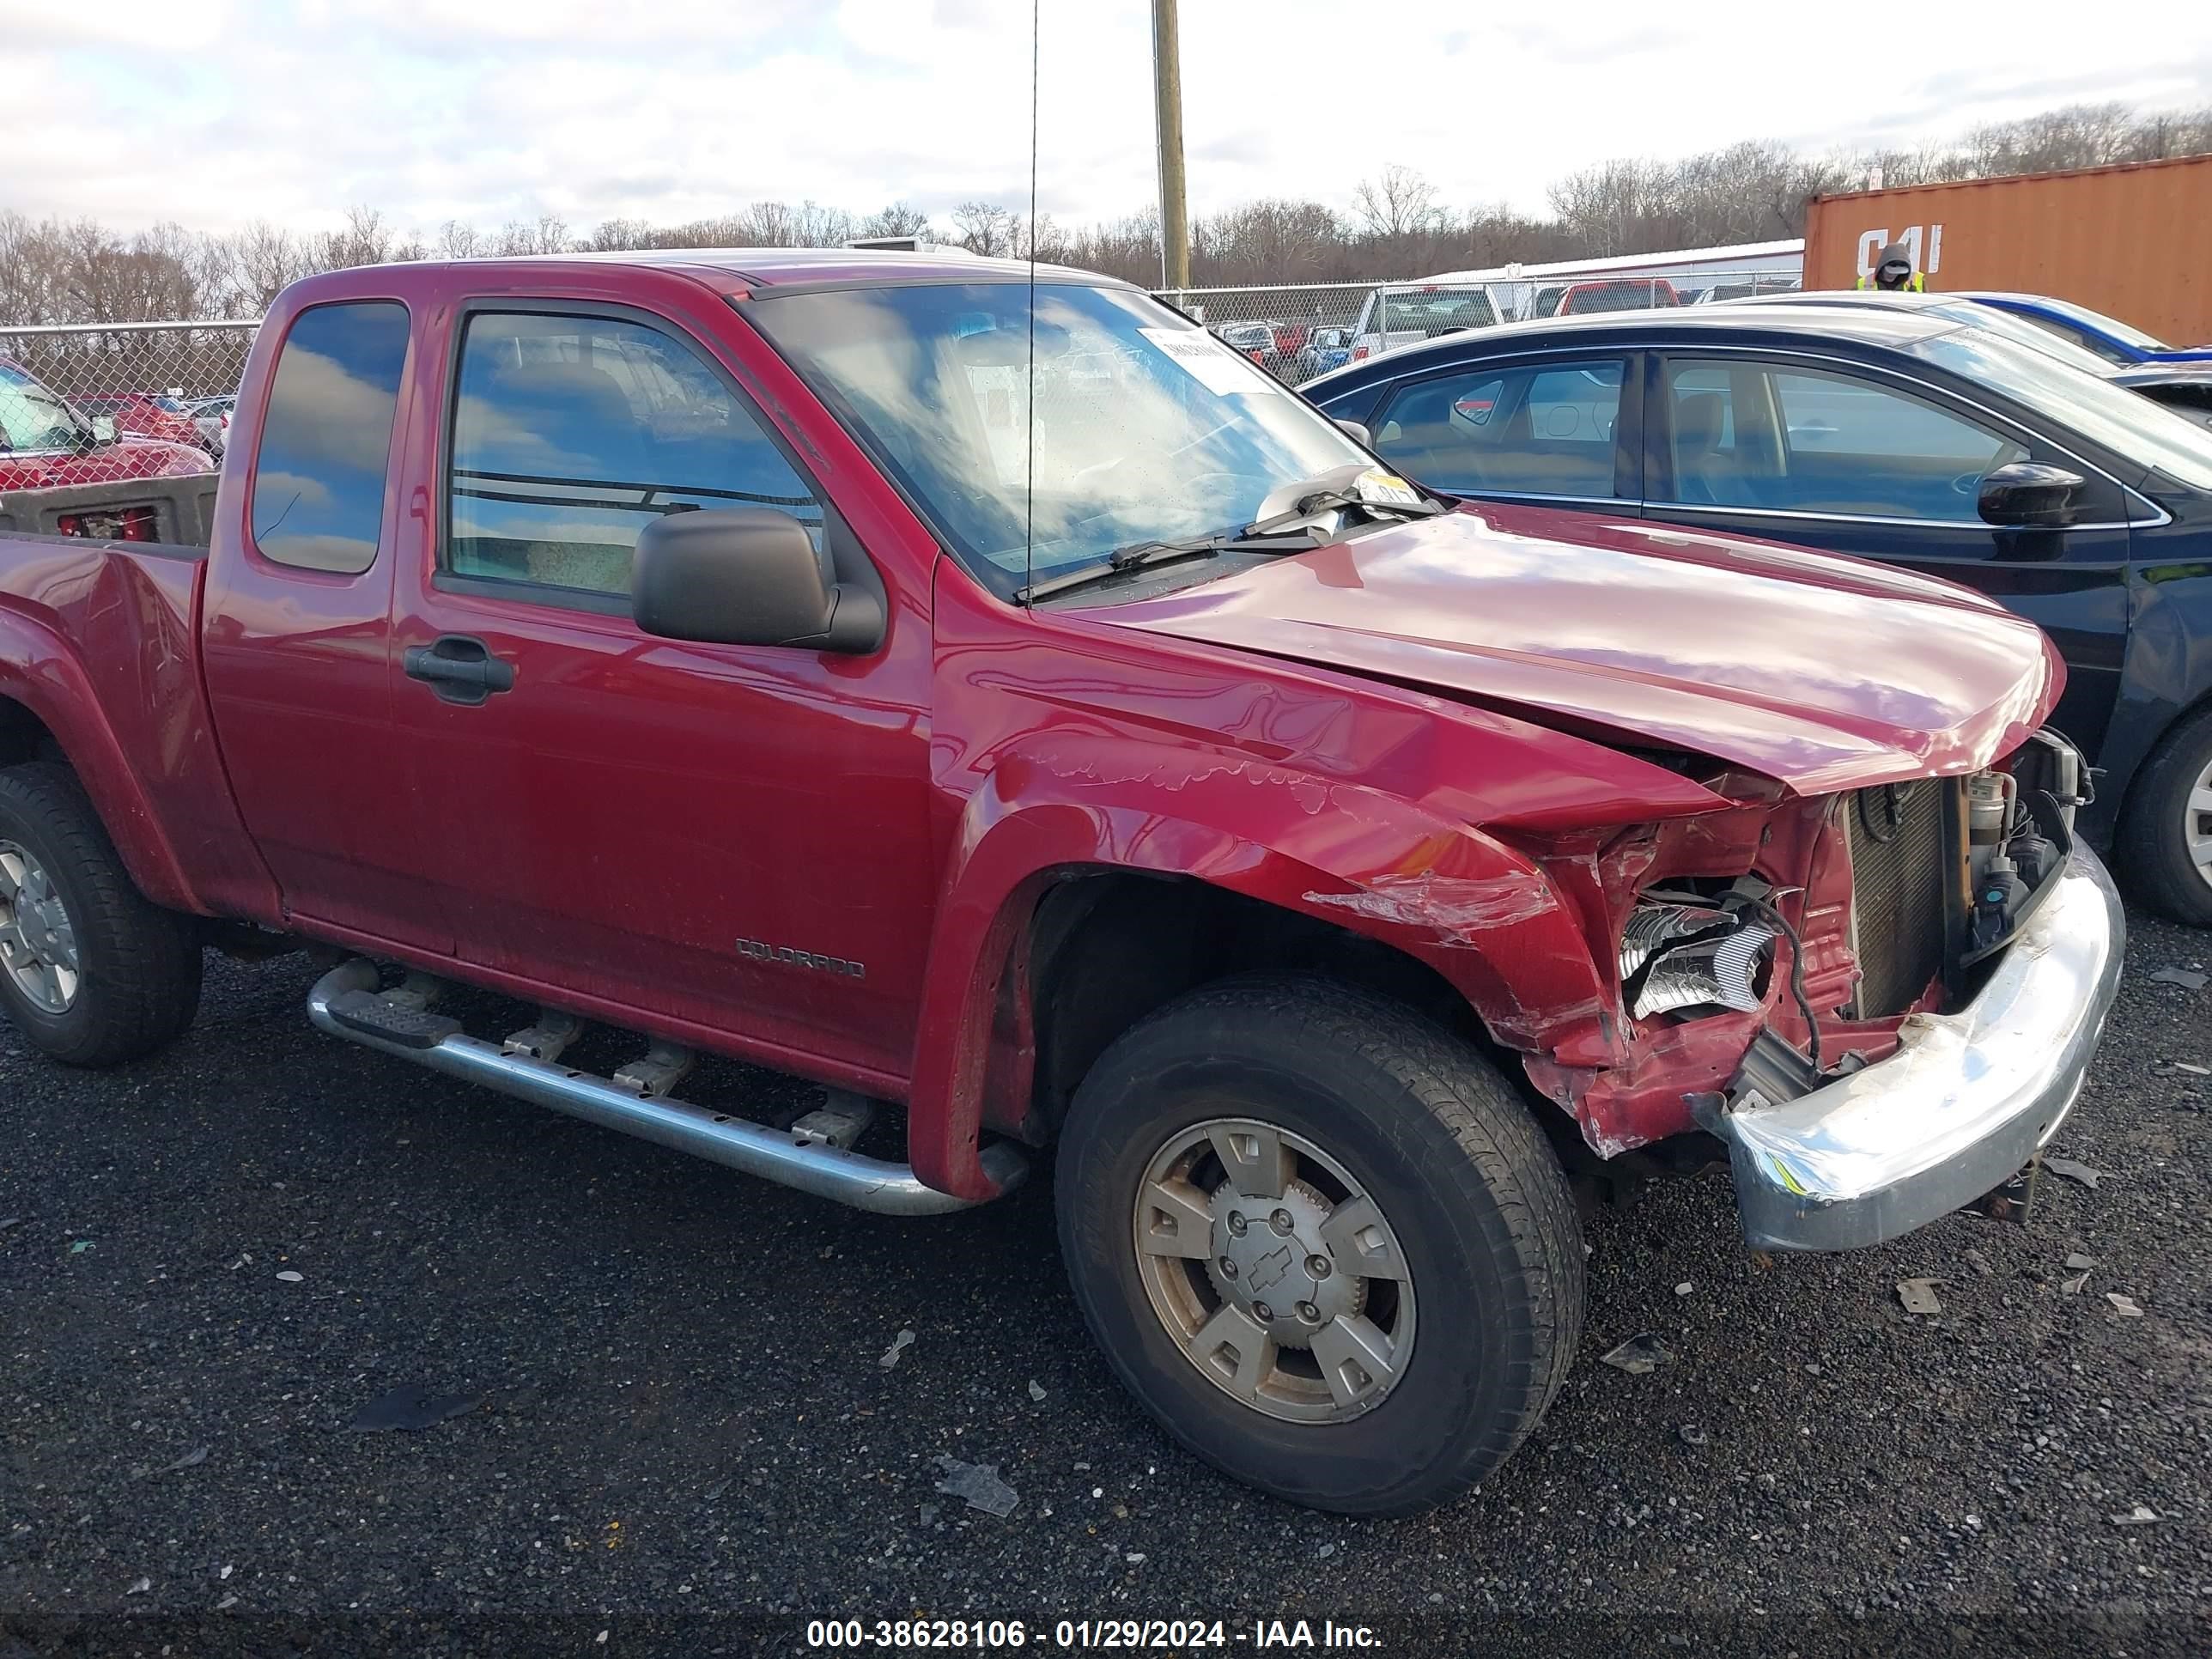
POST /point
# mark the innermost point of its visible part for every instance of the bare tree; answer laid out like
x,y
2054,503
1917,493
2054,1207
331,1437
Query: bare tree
x,y
816,226
984,229
547,234
1402,200
899,219
457,240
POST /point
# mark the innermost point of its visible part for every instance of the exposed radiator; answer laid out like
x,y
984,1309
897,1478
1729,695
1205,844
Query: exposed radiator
x,y
1898,853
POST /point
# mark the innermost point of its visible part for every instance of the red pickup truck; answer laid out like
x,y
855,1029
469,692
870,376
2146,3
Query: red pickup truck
x,y
986,695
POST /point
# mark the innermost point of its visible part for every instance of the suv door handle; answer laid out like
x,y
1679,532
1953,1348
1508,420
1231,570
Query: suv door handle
x,y
459,668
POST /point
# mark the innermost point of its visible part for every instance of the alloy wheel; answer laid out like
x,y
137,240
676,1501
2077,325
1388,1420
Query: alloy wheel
x,y
38,944
1275,1274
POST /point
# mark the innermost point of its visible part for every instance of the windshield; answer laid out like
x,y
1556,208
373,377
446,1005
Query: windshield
x,y
32,417
1147,428
2125,421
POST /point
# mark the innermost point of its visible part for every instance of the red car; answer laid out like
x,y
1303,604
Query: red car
x,y
149,414
45,442
1615,294
697,645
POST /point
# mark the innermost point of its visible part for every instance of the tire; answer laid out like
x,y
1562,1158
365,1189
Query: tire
x,y
135,982
1474,1206
2170,806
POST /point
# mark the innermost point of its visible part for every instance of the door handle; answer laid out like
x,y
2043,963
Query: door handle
x,y
459,668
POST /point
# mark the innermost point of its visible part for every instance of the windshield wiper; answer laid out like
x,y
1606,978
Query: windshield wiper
x,y
1256,537
1138,555
1322,501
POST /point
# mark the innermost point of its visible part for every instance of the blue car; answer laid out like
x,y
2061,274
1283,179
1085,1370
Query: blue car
x,y
2113,340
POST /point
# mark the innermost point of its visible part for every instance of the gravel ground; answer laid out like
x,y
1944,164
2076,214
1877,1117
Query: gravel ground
x,y
210,1262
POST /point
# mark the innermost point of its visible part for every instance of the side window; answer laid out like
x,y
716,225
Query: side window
x,y
1536,429
572,433
1763,436
318,477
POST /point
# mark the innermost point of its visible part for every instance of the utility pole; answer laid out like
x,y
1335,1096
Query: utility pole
x,y
1167,93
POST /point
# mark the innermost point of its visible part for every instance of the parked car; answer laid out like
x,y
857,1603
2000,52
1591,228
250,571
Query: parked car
x,y
2110,338
1613,294
1325,348
1889,432
1393,316
1255,341
212,417
150,415
1953,307
1184,793
45,441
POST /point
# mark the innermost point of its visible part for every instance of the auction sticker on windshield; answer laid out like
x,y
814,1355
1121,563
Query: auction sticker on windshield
x,y
1208,361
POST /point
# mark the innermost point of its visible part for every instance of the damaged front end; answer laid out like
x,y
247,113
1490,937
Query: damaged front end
x,y
1882,1000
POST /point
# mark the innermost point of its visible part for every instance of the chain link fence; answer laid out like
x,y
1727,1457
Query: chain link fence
x,y
170,380
1298,330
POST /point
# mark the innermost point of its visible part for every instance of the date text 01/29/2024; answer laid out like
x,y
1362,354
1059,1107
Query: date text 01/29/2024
x,y
1143,1634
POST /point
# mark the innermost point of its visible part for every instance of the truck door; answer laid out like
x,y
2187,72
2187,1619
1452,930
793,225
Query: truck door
x,y
723,837
297,624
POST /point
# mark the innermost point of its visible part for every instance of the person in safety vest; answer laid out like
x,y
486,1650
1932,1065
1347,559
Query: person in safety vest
x,y
1893,272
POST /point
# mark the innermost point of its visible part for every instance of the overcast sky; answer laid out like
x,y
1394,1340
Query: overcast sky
x,y
216,112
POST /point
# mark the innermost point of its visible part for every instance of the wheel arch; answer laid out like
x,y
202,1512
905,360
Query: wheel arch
x,y
50,711
1386,891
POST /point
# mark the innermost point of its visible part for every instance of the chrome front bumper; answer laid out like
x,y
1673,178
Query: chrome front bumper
x,y
1961,1105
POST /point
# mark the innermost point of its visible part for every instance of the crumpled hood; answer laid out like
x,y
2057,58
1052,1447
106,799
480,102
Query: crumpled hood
x,y
1821,672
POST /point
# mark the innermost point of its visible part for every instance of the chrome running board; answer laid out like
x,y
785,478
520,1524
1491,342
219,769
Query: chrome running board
x,y
345,1004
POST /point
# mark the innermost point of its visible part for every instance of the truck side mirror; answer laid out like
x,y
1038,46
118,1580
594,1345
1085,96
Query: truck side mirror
x,y
747,575
1358,433
2024,494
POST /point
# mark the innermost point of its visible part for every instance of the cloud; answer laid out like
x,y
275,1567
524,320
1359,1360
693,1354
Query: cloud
x,y
489,110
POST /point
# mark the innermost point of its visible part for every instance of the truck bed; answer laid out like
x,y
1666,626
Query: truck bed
x,y
183,509
100,661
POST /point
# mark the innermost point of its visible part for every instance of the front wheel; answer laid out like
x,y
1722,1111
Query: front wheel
x,y
2166,834
1321,1242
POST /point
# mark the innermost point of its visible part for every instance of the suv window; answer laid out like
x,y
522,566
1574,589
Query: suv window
x,y
1536,429
318,477
1763,436
572,434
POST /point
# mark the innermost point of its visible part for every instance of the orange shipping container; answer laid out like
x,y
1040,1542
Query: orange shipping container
x,y
2134,242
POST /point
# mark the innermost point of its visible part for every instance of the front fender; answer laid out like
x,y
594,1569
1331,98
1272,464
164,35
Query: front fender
x,y
1483,915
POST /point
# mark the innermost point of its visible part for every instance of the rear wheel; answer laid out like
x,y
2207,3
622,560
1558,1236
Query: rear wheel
x,y
1322,1242
2166,837
91,973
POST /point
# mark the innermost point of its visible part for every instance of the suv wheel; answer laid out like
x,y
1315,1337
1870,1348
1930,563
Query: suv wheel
x,y
1322,1242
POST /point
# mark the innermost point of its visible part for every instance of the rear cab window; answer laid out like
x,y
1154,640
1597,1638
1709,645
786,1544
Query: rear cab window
x,y
572,432
319,476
